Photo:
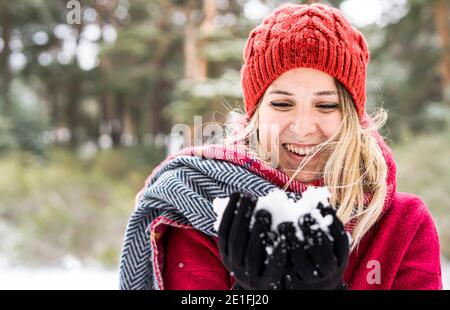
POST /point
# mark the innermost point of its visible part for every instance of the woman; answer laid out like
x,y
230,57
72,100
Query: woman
x,y
303,79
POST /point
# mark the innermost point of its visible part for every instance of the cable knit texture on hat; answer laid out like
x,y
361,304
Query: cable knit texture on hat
x,y
315,36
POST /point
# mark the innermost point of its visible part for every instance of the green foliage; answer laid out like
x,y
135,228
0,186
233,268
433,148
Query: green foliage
x,y
22,127
402,72
7,140
224,50
27,129
205,98
423,169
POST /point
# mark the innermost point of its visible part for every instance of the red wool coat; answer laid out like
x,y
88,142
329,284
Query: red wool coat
x,y
400,252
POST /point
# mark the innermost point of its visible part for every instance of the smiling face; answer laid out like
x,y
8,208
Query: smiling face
x,y
304,104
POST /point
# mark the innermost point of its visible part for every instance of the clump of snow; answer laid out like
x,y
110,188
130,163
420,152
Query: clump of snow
x,y
219,205
284,208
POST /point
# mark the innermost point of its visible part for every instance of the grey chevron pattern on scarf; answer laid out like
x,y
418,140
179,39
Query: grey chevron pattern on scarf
x,y
182,190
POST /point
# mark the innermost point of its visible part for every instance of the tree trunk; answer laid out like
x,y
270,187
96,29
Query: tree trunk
x,y
195,65
161,87
72,112
137,119
118,120
441,19
190,48
127,126
206,28
158,123
106,112
5,81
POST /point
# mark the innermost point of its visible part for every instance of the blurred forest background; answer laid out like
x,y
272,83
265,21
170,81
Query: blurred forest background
x,y
88,100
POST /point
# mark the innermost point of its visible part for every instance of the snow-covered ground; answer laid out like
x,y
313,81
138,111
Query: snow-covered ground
x,y
89,279
445,274
58,279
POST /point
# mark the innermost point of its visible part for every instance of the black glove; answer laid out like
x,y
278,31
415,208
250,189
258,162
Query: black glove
x,y
317,262
243,249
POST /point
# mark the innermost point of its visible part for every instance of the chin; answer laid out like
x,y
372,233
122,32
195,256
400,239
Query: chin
x,y
301,177
309,178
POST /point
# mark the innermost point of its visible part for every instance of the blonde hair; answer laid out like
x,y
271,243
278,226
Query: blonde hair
x,y
354,167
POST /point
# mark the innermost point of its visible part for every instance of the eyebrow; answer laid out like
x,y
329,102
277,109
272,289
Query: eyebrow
x,y
318,93
325,93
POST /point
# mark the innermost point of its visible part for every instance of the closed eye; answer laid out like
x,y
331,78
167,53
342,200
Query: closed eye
x,y
328,106
280,104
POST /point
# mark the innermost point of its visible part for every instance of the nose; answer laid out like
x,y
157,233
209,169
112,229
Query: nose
x,y
302,124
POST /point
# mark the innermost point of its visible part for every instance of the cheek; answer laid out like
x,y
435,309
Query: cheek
x,y
330,125
270,127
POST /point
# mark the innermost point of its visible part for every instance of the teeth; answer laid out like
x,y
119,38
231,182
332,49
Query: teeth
x,y
298,150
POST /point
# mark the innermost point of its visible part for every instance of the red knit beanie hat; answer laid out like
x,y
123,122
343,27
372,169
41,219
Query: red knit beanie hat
x,y
315,36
